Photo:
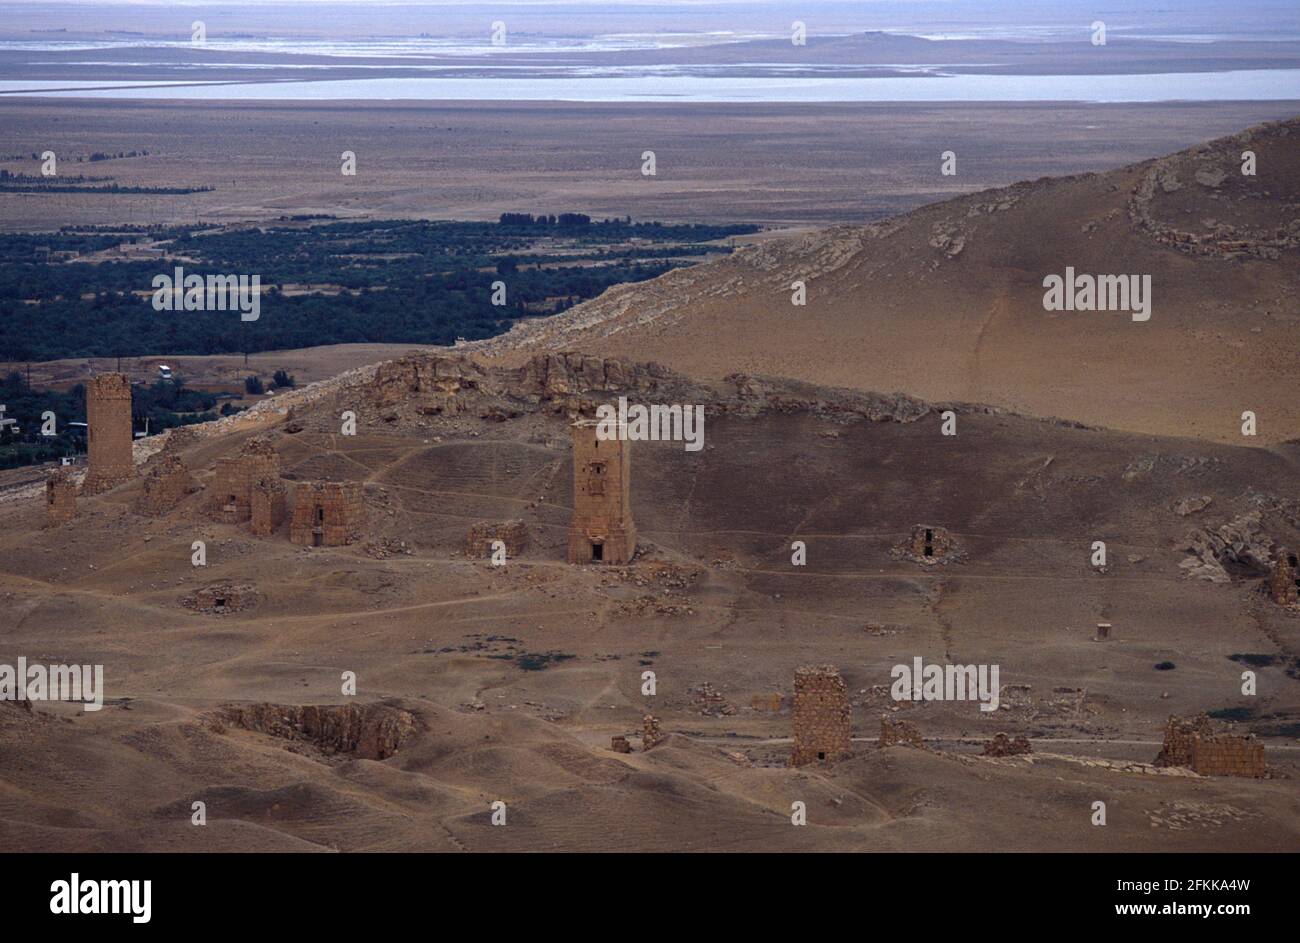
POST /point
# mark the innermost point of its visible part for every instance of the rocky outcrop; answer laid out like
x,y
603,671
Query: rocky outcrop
x,y
368,731
434,383
1240,543
1259,233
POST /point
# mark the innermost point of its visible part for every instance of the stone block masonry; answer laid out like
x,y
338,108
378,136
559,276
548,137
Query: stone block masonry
x,y
900,733
60,497
1228,755
166,483
269,506
1284,580
1194,745
231,498
479,538
823,720
108,433
1179,735
327,513
602,530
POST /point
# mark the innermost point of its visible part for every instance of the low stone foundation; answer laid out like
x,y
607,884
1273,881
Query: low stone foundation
x,y
900,733
479,538
221,598
1002,745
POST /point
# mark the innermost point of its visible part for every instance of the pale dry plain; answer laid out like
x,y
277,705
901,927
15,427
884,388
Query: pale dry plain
x,y
779,164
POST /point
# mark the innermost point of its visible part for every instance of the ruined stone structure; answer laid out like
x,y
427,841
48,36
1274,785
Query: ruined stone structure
x,y
602,530
929,545
619,744
166,483
326,513
1179,734
900,733
1228,755
1103,632
1284,580
1002,745
268,508
231,500
108,432
651,735
221,597
767,702
1193,744
823,721
478,540
60,497
367,731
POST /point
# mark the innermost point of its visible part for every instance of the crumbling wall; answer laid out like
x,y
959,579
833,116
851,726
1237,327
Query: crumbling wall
x,y
651,735
327,513
231,498
108,433
1002,745
166,483
823,721
1193,744
479,538
268,508
1284,580
900,733
1228,755
602,530
60,497
1179,736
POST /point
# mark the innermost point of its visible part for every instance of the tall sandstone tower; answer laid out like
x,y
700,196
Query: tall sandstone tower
x,y
602,529
823,720
108,421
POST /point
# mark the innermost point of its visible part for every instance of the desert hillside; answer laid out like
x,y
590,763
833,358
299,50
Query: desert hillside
x,y
946,302
481,683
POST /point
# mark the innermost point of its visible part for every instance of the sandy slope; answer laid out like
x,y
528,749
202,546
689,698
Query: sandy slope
x,y
947,301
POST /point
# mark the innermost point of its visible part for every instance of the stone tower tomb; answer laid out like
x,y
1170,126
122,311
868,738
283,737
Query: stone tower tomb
x,y
602,530
108,435
823,720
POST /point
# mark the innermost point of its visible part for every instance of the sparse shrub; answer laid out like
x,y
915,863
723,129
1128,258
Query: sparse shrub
x,y
253,384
